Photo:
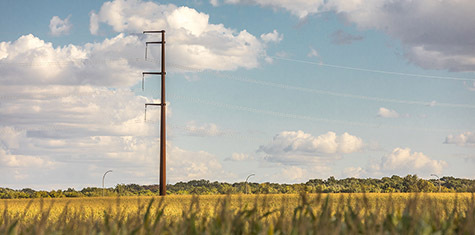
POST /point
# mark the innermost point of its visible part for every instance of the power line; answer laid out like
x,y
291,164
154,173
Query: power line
x,y
303,117
125,60
324,92
374,70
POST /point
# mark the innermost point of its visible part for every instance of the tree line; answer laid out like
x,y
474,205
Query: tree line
x,y
393,184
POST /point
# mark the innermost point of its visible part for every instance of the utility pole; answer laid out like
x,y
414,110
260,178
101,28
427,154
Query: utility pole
x,y
163,132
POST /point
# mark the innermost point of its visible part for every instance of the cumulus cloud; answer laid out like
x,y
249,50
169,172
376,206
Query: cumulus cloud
x,y
32,61
72,104
400,161
274,36
297,147
355,172
83,138
58,27
300,8
387,113
191,39
403,161
23,161
238,157
466,139
434,34
299,174
206,129
187,165
82,130
341,37
294,173
426,28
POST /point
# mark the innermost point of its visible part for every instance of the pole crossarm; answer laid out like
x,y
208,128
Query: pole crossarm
x,y
150,104
150,73
159,42
146,46
153,31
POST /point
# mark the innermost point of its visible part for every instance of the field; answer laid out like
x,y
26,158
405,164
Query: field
x,y
401,213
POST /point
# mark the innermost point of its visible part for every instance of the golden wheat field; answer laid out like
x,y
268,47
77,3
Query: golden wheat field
x,y
243,214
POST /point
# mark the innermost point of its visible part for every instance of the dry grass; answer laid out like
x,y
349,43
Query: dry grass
x,y
244,214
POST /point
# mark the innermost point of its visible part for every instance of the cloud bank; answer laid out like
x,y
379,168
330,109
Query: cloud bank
x,y
191,39
434,34
69,110
297,147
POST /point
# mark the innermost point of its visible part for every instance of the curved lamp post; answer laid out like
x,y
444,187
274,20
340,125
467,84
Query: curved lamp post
x,y
245,184
438,178
103,177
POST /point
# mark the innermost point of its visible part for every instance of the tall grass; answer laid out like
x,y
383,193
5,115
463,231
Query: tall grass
x,y
277,214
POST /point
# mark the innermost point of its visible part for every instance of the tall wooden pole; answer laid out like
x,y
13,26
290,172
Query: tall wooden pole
x,y
163,128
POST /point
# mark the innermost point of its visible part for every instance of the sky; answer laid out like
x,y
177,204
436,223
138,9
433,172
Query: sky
x,y
288,91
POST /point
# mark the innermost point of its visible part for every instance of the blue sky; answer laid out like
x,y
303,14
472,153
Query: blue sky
x,y
289,92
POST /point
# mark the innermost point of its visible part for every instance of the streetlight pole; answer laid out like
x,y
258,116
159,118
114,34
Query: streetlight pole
x,y
438,179
103,177
245,184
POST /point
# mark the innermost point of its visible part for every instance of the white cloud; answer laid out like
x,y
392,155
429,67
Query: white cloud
x,y
32,61
206,129
58,27
355,172
71,105
464,139
23,161
186,165
426,28
238,157
387,113
300,8
274,36
10,137
434,34
214,3
191,39
402,161
300,174
294,173
80,130
297,147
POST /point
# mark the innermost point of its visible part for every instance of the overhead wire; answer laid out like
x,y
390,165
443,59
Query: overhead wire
x,y
302,117
285,86
188,130
324,92
112,60
373,70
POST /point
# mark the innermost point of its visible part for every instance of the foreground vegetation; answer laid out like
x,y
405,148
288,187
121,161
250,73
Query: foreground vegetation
x,y
394,184
374,213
